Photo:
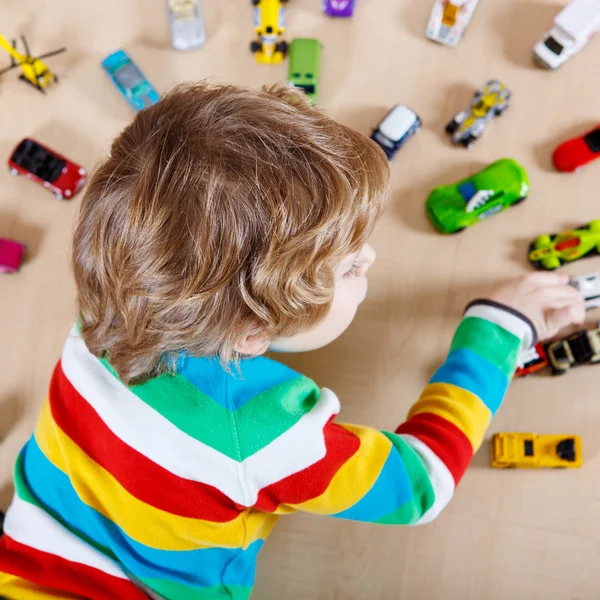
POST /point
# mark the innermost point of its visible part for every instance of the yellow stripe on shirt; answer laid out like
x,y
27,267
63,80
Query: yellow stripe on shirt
x,y
352,482
458,406
15,588
144,523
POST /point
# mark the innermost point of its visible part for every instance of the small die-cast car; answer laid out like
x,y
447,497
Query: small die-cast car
x,y
305,66
451,208
48,168
532,360
589,287
573,27
187,24
550,251
395,129
531,451
11,255
576,349
577,152
449,20
339,8
129,80
269,24
488,102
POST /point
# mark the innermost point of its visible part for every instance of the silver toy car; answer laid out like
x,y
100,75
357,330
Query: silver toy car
x,y
187,24
489,102
589,287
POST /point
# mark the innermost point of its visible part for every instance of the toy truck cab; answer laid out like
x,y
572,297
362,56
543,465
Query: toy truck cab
x,y
305,66
573,27
531,451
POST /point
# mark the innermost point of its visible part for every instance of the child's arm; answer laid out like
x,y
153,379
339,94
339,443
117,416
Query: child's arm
x,y
409,476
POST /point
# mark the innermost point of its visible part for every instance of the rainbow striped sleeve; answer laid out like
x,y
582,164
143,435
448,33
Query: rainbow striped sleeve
x,y
409,476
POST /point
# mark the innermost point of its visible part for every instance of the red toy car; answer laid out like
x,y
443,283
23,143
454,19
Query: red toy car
x,y
532,360
48,168
11,255
579,151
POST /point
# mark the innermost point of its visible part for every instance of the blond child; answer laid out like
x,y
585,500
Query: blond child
x,y
226,222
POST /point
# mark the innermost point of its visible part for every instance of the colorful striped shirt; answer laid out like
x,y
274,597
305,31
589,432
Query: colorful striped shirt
x,y
168,489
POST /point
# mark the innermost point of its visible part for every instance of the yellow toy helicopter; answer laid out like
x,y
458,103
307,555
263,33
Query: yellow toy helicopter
x,y
34,70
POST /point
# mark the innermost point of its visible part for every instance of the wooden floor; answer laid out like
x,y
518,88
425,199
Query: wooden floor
x,y
506,535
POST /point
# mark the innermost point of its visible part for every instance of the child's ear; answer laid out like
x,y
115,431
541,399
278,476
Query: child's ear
x,y
253,344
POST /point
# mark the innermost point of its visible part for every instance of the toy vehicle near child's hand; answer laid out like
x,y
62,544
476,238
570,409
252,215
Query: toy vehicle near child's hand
x,y
451,208
269,24
48,168
11,255
550,251
576,349
305,66
573,27
129,80
531,451
532,360
577,152
449,20
589,287
339,8
187,24
488,102
400,124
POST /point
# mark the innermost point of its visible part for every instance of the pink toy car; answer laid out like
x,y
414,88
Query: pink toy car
x,y
11,255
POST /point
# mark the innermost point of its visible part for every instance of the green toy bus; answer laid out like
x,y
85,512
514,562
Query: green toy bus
x,y
305,65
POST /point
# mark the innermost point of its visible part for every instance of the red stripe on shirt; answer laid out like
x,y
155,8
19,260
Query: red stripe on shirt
x,y
340,446
446,440
139,475
45,569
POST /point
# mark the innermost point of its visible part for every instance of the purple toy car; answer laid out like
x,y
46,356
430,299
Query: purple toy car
x,y
339,8
11,255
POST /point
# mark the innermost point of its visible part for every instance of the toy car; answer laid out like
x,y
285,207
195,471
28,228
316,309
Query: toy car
x,y
187,24
269,23
449,20
577,152
305,66
48,168
550,251
453,207
589,287
532,360
400,124
531,451
576,349
488,102
11,255
339,8
129,80
573,27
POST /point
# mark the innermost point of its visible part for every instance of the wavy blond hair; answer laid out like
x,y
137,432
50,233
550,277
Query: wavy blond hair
x,y
219,211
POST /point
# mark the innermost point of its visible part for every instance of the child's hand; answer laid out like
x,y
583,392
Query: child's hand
x,y
546,300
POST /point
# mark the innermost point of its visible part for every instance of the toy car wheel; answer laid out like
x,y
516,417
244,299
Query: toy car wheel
x,y
13,171
500,111
468,140
458,230
452,127
255,2
282,47
519,200
255,46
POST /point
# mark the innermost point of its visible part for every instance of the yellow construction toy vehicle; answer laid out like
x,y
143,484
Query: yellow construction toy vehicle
x,y
269,24
34,69
531,451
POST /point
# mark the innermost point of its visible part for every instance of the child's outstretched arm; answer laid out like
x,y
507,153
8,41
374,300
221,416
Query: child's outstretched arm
x,y
409,476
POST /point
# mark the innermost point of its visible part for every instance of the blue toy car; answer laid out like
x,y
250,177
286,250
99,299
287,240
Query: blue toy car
x,y
130,81
396,127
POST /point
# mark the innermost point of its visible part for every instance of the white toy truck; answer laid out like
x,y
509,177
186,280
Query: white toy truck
x,y
573,27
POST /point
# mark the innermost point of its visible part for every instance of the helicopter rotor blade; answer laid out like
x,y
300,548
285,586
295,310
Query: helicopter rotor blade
x,y
9,68
51,53
25,45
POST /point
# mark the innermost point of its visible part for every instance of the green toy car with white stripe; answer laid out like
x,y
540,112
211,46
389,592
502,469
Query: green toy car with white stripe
x,y
452,208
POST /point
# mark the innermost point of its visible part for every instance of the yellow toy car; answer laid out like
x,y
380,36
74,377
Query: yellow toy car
x,y
269,24
531,451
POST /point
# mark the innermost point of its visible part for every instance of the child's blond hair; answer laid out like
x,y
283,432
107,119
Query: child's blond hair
x,y
220,211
